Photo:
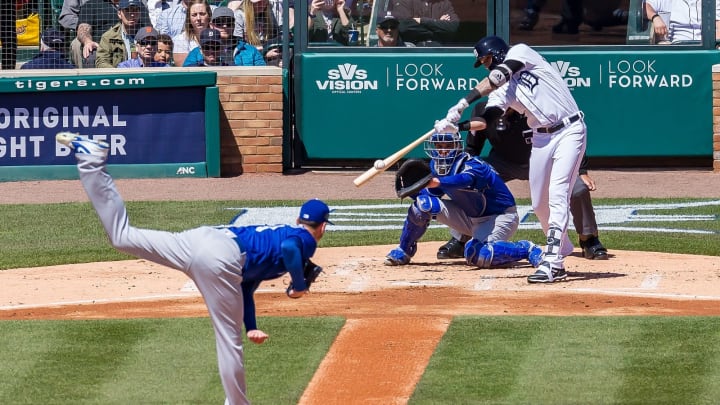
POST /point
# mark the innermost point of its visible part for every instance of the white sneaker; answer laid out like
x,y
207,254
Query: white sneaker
x,y
83,145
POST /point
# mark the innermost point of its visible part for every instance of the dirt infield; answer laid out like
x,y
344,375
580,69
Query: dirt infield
x,y
395,316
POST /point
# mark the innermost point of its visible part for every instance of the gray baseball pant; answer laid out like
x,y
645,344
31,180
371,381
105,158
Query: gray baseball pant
x,y
208,255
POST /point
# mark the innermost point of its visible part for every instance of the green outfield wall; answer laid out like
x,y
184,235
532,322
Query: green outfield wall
x,y
636,104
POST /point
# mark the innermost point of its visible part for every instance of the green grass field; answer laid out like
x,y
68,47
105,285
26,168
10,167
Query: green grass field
x,y
493,360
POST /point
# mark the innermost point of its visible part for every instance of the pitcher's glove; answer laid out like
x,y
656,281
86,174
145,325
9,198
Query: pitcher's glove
x,y
310,272
412,177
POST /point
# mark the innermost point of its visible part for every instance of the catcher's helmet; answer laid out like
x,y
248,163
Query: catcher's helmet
x,y
443,148
491,45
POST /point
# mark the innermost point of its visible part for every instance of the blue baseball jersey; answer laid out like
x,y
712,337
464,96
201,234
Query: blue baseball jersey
x,y
474,186
263,245
272,250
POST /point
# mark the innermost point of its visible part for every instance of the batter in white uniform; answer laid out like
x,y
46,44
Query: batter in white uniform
x,y
521,79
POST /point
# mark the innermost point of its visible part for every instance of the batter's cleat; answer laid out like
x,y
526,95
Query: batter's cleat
x,y
453,249
397,257
545,273
594,250
83,145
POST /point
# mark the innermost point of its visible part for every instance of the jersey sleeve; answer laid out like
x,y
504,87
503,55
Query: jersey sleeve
x,y
293,259
248,290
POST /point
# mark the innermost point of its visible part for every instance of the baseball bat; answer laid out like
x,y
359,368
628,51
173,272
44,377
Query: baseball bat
x,y
391,160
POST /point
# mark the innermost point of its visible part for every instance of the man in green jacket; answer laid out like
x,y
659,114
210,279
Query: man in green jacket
x,y
116,44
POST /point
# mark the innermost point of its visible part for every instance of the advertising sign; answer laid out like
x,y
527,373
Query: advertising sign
x,y
141,126
158,125
635,103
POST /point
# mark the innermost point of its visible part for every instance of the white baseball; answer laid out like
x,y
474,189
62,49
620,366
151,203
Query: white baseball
x,y
379,164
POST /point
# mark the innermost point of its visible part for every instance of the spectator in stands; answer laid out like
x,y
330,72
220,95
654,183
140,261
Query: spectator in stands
x,y
196,20
165,50
234,51
146,42
686,21
115,43
155,7
426,22
171,21
658,13
223,20
8,35
387,31
216,51
573,14
94,18
69,13
329,21
259,23
51,56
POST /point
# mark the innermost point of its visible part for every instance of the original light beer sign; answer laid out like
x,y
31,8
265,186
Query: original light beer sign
x,y
156,120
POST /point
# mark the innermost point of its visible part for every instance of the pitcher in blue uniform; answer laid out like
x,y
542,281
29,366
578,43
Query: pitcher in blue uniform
x,y
227,263
479,204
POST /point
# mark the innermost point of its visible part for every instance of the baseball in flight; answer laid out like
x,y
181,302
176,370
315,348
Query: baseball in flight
x,y
379,164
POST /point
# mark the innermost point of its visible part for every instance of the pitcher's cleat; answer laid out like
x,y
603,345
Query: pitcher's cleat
x,y
83,145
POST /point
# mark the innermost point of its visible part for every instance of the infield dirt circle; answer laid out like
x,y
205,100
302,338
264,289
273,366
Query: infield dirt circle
x,y
395,315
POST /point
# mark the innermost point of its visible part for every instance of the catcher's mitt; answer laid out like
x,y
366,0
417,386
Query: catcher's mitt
x,y
412,177
310,272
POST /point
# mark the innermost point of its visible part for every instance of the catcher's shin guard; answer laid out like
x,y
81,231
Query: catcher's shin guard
x,y
485,255
414,228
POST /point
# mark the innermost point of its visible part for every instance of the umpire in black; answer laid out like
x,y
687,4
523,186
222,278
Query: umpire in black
x,y
511,142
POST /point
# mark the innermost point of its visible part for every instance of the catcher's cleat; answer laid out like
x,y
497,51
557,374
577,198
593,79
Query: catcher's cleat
x,y
594,250
83,145
453,249
547,274
397,257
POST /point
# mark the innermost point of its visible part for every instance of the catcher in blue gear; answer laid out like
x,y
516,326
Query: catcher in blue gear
x,y
477,203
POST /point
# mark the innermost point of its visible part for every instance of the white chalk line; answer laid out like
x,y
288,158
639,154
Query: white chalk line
x,y
97,301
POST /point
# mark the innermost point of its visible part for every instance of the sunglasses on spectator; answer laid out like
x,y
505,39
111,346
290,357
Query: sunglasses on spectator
x,y
146,42
224,22
389,27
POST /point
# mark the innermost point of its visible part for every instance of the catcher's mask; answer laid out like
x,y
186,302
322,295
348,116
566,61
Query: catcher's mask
x,y
493,46
443,148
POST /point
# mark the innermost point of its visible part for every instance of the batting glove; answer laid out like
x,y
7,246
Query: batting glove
x,y
453,115
444,126
461,105
456,111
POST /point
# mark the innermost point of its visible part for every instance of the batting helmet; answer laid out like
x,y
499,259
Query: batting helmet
x,y
491,45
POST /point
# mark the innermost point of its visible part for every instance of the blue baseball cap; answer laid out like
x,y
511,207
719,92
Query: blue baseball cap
x,y
209,35
315,211
123,4
53,38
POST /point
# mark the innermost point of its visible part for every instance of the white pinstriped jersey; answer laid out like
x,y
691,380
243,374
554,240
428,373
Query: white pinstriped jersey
x,y
537,90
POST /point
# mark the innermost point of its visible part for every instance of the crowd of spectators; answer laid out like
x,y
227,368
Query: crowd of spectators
x,y
102,33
